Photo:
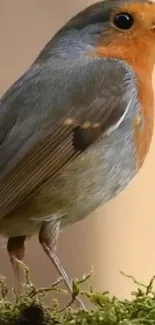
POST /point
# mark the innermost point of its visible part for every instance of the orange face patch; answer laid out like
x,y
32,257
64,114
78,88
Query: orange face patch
x,y
136,47
142,13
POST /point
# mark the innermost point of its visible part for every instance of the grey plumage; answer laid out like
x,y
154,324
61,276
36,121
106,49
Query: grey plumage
x,y
76,86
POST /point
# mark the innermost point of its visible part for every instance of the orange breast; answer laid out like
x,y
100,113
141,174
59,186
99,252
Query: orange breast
x,y
144,130
140,59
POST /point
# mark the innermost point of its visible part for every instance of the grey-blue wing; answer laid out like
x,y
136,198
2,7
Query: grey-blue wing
x,y
46,120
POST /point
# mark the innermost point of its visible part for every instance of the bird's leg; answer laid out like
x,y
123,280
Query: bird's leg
x,y
48,236
16,250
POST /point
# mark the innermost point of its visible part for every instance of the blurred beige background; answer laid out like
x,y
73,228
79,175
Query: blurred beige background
x,y
120,236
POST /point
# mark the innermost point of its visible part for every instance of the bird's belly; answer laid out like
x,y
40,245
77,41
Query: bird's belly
x,y
16,225
94,178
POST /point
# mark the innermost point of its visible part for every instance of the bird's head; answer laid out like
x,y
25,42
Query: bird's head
x,y
123,29
130,33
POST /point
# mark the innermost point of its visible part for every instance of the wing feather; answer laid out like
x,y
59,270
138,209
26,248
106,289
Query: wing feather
x,y
36,146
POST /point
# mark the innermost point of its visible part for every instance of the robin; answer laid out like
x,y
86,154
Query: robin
x,y
77,126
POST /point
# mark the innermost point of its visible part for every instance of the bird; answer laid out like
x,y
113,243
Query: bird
x,y
76,127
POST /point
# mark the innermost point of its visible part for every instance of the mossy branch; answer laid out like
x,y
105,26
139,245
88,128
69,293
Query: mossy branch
x,y
29,309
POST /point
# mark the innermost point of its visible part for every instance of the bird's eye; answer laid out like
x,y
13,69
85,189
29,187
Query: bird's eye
x,y
123,20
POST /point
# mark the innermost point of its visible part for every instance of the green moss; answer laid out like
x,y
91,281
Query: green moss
x,y
29,309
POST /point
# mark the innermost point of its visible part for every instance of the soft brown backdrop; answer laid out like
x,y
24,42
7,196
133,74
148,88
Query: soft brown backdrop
x,y
120,236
